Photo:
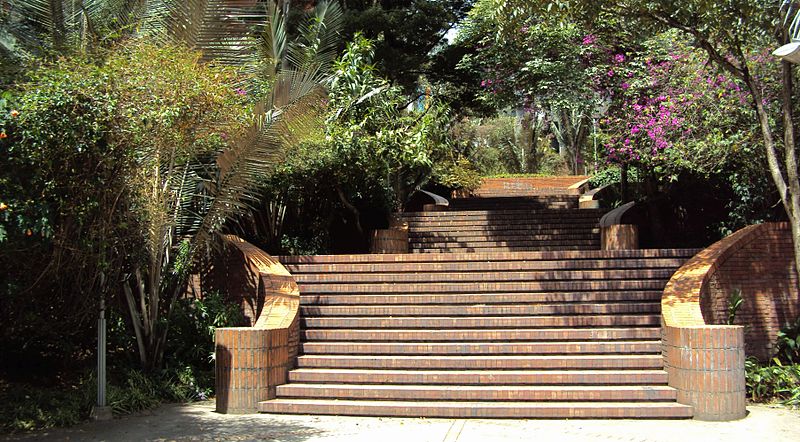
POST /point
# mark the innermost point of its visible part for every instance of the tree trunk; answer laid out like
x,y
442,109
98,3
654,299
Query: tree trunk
x,y
788,191
623,182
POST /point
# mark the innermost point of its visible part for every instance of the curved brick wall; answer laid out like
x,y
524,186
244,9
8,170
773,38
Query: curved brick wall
x,y
704,360
252,361
761,266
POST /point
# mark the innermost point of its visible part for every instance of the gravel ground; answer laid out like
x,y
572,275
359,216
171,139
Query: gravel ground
x,y
199,422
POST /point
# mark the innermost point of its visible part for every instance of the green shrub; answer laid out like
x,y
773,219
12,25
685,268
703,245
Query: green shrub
x,y
773,382
25,407
778,380
788,343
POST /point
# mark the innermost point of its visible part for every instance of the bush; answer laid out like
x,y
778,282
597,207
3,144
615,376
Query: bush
x,y
778,380
25,407
773,382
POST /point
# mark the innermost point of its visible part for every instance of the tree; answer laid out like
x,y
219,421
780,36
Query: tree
x,y
729,33
407,35
192,166
547,68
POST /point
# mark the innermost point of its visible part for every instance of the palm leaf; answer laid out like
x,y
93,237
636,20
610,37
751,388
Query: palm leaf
x,y
288,115
220,29
318,39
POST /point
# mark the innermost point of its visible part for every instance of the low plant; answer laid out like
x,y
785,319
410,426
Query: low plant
x,y
788,343
773,382
735,302
778,380
25,407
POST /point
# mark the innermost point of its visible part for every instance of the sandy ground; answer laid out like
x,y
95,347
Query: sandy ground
x,y
199,422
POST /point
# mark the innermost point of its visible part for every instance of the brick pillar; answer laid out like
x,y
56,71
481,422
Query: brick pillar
x,y
706,365
250,363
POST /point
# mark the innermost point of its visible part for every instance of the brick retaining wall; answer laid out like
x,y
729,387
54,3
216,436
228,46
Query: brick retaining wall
x,y
252,361
704,360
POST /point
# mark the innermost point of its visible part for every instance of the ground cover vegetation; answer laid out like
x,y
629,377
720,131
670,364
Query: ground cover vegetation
x,y
133,132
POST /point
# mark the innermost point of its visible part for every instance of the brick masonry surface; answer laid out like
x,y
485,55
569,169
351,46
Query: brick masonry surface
x,y
252,361
705,360
763,270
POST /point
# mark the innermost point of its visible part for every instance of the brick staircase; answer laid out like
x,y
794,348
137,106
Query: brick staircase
x,y
531,322
541,334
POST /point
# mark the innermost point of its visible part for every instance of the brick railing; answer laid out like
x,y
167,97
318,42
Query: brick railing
x,y
252,361
704,360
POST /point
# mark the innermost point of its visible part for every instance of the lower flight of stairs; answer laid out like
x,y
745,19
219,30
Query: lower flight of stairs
x,y
493,335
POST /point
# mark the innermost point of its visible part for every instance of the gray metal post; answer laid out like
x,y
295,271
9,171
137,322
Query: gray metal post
x,y
101,411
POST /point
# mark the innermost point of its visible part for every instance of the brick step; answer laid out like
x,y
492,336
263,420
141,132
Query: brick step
x,y
493,243
480,310
483,257
424,236
484,287
482,298
482,348
529,205
548,203
521,228
499,221
476,277
299,270
493,362
521,198
479,377
351,322
505,335
557,215
500,239
450,250
565,410
521,393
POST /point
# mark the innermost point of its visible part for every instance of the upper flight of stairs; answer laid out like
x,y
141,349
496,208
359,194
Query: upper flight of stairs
x,y
503,230
540,334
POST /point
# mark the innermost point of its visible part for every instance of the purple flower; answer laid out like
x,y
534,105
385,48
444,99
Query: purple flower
x,y
241,91
611,73
619,58
589,40
625,86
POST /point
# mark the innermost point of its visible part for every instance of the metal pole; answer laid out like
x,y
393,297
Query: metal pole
x,y
101,356
101,411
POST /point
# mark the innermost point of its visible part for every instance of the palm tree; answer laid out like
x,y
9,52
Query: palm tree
x,y
182,200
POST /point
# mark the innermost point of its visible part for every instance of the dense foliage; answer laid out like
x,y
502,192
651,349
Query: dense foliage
x,y
374,154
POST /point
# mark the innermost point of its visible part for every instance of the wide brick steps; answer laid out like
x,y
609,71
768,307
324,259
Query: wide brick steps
x,y
478,377
483,362
485,409
495,228
494,201
492,393
569,334
547,334
483,322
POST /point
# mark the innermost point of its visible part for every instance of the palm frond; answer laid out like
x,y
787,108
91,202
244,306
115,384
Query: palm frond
x,y
318,39
289,114
220,29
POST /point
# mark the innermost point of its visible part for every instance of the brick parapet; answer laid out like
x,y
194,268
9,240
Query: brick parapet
x,y
705,361
252,361
528,186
